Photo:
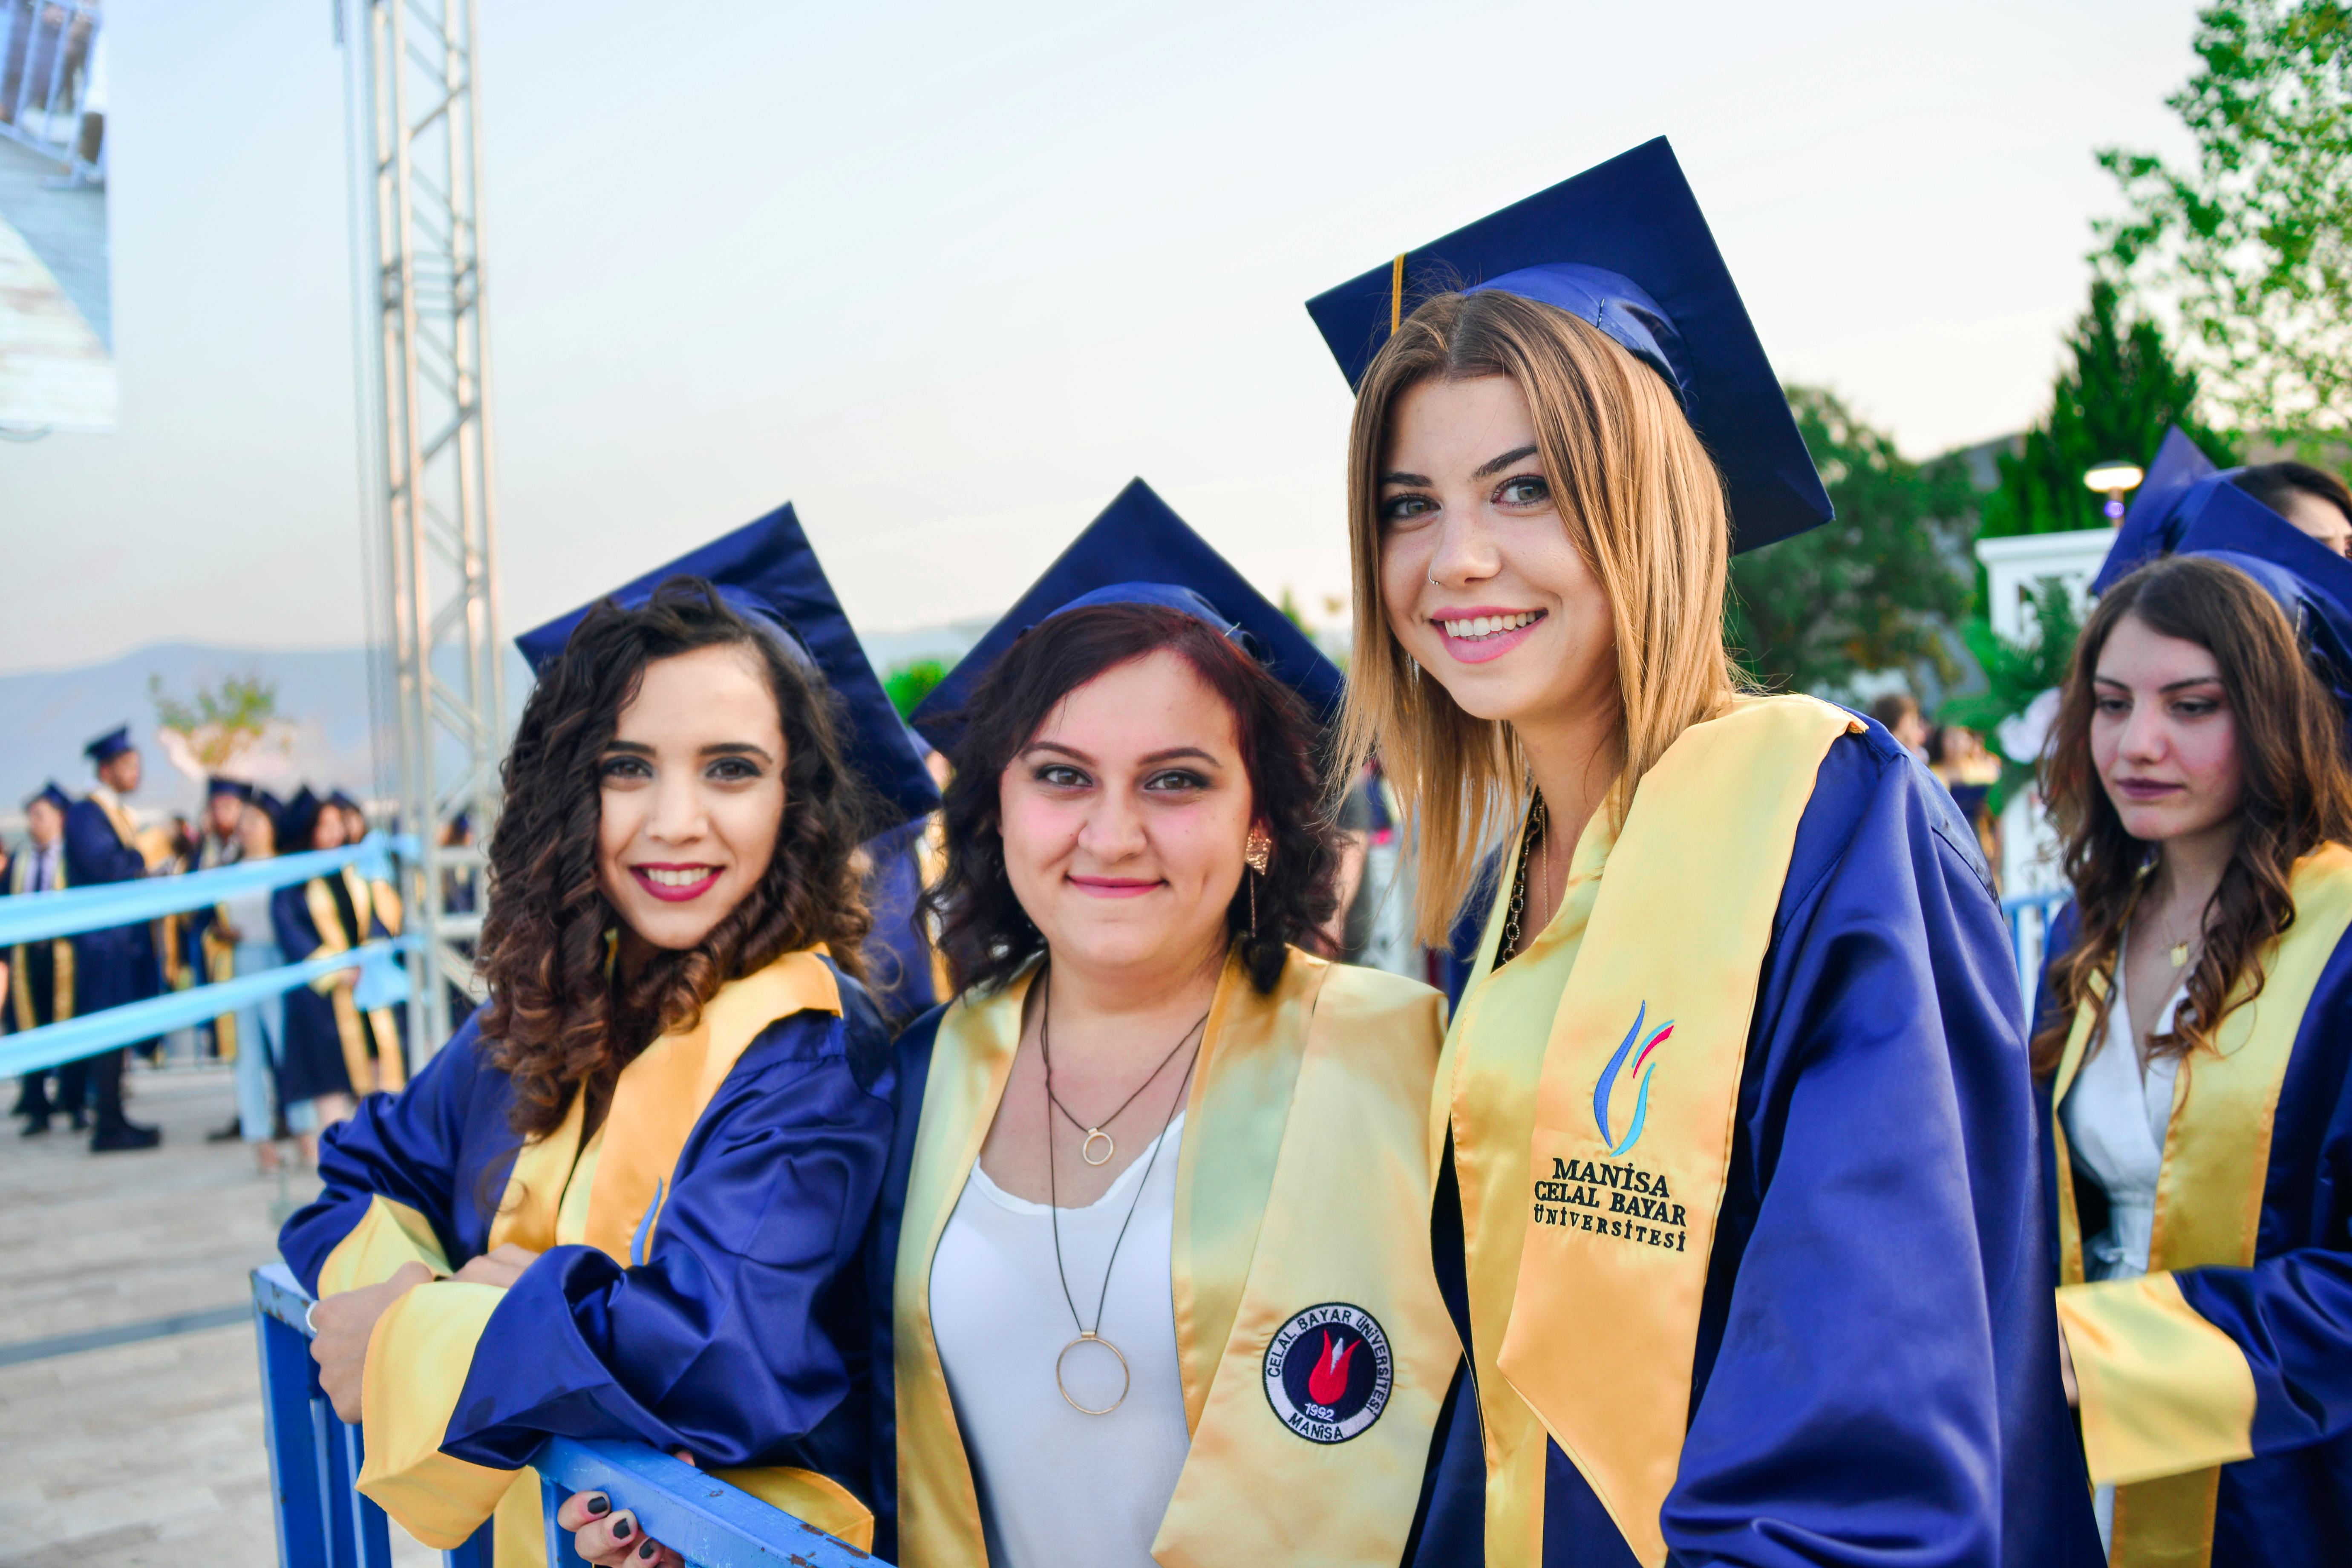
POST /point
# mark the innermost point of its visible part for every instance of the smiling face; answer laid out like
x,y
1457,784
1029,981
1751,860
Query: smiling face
x,y
691,796
2162,735
44,823
1481,582
1126,816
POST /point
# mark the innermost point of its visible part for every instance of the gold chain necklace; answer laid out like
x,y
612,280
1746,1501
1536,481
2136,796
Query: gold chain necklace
x,y
1529,838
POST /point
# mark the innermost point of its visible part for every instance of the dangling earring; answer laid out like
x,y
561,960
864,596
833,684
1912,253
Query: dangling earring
x,y
1256,853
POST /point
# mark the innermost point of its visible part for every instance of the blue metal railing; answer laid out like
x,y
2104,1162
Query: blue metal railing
x,y
2029,916
45,917
324,1521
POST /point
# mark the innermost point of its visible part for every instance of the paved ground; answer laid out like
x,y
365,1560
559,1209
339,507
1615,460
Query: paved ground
x,y
55,366
147,1453
65,227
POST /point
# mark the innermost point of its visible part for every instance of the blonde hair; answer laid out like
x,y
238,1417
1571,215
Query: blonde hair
x,y
1642,503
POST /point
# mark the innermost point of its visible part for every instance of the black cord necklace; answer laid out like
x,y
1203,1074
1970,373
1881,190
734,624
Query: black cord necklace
x,y
1094,1131
1053,1202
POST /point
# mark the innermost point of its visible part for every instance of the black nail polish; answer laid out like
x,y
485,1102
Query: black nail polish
x,y
647,1550
599,1504
620,1530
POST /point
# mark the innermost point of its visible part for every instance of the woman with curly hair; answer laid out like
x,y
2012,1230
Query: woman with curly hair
x,y
2196,1040
626,1199
1153,1296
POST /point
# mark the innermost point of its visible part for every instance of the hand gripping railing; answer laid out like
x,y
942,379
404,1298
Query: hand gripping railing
x,y
44,917
324,1523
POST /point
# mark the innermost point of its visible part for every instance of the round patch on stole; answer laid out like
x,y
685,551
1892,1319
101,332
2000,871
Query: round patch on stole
x,y
1328,1372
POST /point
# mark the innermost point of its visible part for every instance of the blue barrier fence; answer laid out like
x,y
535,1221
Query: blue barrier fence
x,y
324,1523
45,917
2029,916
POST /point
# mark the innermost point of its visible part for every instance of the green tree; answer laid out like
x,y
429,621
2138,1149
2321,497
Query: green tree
x,y
908,684
2251,241
2118,392
2016,673
1873,590
221,722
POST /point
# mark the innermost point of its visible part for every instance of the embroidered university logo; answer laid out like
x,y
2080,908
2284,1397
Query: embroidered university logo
x,y
1328,1372
1602,1090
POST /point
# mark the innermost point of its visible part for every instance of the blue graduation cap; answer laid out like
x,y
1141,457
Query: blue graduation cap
x,y
1139,552
336,797
296,819
216,786
275,809
108,746
1624,248
768,569
52,793
2311,582
2154,524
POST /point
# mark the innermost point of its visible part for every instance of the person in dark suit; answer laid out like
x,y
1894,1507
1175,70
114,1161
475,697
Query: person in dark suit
x,y
41,974
117,965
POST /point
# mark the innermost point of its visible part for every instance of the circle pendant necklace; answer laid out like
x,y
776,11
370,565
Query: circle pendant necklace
x,y
1094,1131
1054,1206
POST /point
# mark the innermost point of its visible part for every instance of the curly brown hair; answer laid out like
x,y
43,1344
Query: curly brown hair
x,y
2297,795
556,1020
984,931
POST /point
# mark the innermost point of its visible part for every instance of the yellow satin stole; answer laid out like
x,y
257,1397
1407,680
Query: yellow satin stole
x,y
371,1055
1590,1087
2167,1398
607,1196
1301,1150
61,961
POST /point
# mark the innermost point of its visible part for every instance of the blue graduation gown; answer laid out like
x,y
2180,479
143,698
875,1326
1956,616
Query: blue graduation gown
x,y
739,1339
313,1060
1876,1372
118,964
898,950
2289,1314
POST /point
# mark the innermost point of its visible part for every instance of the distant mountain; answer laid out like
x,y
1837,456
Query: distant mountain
x,y
47,716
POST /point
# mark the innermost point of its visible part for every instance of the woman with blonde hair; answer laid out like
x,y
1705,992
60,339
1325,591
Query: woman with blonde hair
x,y
1734,1196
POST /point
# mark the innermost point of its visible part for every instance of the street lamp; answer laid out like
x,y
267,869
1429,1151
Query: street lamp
x,y
2114,479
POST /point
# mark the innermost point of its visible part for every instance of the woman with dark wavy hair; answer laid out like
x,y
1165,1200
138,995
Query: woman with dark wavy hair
x,y
1157,1294
1152,1301
2197,1040
625,1200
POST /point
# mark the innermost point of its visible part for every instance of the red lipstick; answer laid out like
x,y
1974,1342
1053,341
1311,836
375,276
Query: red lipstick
x,y
675,892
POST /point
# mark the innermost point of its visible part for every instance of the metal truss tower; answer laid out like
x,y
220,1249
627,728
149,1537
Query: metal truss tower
x,y
423,348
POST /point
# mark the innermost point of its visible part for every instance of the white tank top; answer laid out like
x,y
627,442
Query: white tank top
x,y
1059,1488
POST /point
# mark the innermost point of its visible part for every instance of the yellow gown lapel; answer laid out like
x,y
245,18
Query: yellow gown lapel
x,y
663,1093
1301,1149
971,1058
606,1194
1639,1094
2158,1380
1234,1118
1486,1100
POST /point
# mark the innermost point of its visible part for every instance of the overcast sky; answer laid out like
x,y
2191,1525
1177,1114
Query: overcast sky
x,y
948,276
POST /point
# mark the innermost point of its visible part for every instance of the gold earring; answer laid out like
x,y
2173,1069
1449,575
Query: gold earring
x,y
1255,853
